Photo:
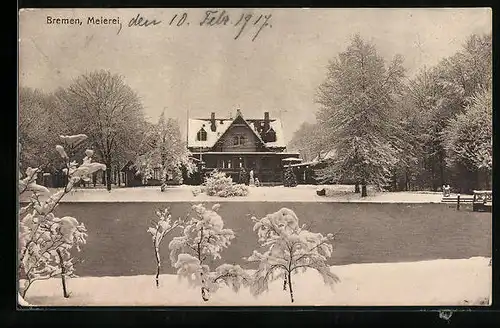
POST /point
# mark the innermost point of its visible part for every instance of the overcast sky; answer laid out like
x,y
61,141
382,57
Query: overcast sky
x,y
203,69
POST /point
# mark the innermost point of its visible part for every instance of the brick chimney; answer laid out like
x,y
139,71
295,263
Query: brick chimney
x,y
266,121
213,127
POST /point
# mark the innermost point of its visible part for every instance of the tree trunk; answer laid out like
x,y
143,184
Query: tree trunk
x,y
63,274
284,283
108,177
204,290
158,267
119,179
363,191
356,188
407,182
25,289
290,285
441,168
94,179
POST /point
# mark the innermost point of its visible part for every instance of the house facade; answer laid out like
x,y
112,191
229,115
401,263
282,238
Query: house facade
x,y
229,144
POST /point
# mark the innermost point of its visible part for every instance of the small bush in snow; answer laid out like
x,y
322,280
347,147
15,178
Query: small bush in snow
x,y
218,184
203,237
290,248
197,190
289,178
158,230
46,241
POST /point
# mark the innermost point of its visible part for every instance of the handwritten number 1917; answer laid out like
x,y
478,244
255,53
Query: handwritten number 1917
x,y
181,20
244,20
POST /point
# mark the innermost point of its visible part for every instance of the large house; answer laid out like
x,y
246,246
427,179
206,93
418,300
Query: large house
x,y
229,144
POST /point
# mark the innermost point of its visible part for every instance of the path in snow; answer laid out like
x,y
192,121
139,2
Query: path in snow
x,y
301,193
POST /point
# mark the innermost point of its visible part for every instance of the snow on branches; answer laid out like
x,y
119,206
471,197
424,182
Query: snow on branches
x,y
158,230
468,138
290,249
358,100
165,151
45,240
203,237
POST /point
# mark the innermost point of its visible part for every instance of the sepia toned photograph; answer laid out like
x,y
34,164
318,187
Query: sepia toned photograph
x,y
255,157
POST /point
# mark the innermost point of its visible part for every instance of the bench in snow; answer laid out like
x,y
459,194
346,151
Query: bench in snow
x,y
481,200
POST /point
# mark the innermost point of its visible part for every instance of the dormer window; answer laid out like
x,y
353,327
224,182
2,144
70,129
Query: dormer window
x,y
271,135
201,135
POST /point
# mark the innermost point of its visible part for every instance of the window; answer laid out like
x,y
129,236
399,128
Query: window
x,y
239,140
157,174
225,163
201,135
240,162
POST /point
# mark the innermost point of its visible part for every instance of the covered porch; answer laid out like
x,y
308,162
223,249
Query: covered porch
x,y
266,166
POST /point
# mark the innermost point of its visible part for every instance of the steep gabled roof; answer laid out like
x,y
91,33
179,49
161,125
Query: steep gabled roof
x,y
194,125
240,120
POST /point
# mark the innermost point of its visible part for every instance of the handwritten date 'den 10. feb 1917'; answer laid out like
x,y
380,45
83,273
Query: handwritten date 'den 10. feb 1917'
x,y
212,18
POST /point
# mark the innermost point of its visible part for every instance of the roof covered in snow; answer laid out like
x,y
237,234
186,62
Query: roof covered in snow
x,y
222,124
324,155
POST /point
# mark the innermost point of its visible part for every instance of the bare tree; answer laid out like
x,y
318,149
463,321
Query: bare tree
x,y
106,109
38,133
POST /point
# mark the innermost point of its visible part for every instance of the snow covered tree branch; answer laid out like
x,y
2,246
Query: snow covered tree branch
x,y
158,231
357,98
289,249
204,236
468,138
165,151
107,110
45,241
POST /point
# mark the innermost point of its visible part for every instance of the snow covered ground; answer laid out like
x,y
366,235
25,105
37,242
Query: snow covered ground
x,y
439,282
301,193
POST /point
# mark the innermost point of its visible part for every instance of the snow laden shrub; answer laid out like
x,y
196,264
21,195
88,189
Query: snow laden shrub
x,y
46,241
290,249
158,230
204,237
218,184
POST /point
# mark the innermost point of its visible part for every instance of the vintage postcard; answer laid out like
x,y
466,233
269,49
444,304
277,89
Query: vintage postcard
x,y
250,157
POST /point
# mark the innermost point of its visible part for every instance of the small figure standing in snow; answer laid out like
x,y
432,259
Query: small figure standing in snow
x,y
446,191
252,181
257,183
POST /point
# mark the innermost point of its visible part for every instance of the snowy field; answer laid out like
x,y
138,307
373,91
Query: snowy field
x,y
301,193
432,283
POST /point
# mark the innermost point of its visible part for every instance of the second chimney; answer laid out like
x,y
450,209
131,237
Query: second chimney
x,y
213,127
266,121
